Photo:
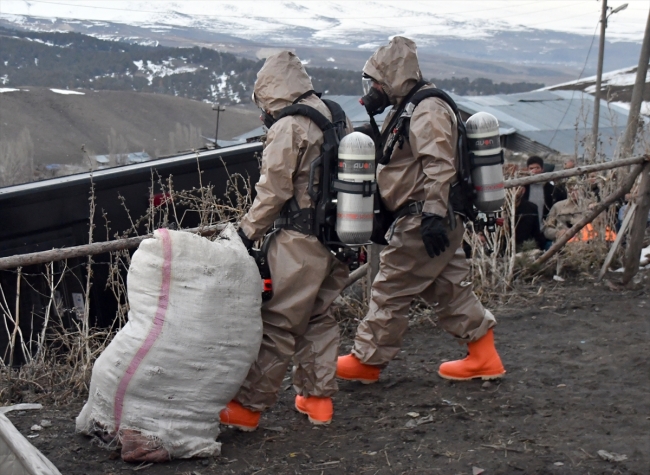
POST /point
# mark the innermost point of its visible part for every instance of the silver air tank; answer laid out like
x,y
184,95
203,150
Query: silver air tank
x,y
354,212
484,145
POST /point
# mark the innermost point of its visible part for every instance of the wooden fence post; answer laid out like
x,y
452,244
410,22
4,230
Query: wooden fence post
x,y
619,238
637,231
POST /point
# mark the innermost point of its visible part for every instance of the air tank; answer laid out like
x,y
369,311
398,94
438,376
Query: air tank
x,y
354,212
484,145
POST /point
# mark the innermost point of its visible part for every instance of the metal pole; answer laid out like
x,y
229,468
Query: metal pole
x,y
599,74
216,134
219,108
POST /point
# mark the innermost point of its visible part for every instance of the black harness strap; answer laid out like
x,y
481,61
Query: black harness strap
x,y
304,95
379,156
319,119
465,192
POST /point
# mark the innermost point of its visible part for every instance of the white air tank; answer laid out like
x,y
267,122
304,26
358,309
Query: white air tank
x,y
486,161
354,212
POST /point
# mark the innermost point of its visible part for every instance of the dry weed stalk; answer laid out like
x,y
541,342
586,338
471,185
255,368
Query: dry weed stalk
x,y
493,262
57,359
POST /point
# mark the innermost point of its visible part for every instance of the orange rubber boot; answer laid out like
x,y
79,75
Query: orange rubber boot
x,y
236,415
319,410
482,361
351,368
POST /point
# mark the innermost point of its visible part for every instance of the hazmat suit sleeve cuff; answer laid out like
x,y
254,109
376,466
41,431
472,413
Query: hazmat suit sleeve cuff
x,y
253,233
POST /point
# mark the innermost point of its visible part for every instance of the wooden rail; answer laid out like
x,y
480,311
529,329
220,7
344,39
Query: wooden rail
x,y
21,260
583,170
43,257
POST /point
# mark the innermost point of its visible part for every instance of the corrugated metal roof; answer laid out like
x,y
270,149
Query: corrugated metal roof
x,y
548,120
557,120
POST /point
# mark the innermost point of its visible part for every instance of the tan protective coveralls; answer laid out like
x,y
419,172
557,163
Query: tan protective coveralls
x,y
306,276
423,170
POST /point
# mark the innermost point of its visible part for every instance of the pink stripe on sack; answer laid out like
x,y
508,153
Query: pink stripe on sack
x,y
156,329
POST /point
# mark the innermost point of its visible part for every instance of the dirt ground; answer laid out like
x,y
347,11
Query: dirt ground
x,y
578,382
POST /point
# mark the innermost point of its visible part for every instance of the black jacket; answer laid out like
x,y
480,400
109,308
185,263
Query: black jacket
x,y
527,224
552,194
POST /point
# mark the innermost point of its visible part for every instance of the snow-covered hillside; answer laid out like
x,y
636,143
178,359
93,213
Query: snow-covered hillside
x,y
511,32
345,21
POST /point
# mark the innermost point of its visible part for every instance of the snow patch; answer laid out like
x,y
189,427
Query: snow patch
x,y
7,89
618,77
167,68
645,256
331,60
645,106
67,92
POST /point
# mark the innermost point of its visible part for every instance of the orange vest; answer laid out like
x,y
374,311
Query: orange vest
x,y
588,233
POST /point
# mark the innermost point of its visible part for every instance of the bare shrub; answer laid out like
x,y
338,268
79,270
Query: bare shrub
x,y
492,263
17,160
58,359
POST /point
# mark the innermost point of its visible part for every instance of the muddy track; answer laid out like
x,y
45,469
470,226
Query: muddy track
x,y
578,382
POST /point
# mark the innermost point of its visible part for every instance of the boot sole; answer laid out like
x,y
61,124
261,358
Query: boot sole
x,y
313,421
483,377
362,381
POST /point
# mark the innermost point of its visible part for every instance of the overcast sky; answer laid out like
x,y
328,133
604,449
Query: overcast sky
x,y
578,16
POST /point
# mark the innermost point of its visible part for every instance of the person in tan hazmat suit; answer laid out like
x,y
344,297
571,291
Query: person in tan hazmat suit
x,y
424,255
306,276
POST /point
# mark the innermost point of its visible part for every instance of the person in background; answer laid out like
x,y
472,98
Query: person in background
x,y
567,213
542,195
595,182
560,186
527,222
564,214
622,210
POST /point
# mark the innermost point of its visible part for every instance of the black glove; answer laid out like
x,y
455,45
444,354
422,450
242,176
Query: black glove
x,y
434,234
247,242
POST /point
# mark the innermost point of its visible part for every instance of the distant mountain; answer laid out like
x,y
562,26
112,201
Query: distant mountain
x,y
59,122
343,34
73,60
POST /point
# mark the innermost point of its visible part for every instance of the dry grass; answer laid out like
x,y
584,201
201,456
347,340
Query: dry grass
x,y
59,357
17,159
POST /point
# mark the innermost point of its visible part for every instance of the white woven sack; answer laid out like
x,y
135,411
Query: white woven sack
x,y
194,330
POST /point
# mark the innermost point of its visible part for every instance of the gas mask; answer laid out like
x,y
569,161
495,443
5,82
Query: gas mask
x,y
267,119
375,99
